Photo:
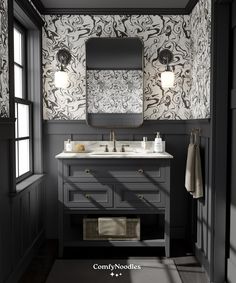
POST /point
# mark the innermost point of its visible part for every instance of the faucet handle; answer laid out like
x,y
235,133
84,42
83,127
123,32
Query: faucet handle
x,y
123,147
106,147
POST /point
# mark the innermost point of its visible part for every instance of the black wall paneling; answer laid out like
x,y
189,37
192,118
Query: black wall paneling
x,y
6,128
218,146
176,135
21,214
211,213
5,210
56,127
231,216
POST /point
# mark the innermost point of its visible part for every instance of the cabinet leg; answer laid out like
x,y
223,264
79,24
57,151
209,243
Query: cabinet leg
x,y
167,250
167,245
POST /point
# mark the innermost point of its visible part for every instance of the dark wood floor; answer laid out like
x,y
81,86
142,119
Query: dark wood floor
x,y
189,269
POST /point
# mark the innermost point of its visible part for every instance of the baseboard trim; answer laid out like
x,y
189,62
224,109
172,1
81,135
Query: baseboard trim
x,y
26,259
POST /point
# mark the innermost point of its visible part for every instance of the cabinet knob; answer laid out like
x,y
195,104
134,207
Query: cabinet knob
x,y
140,171
87,171
140,196
87,196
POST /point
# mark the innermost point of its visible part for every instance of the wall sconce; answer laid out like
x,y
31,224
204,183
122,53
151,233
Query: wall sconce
x,y
61,77
167,77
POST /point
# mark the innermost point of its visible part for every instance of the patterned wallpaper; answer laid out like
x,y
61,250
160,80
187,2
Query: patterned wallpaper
x,y
71,31
188,37
200,23
4,87
110,91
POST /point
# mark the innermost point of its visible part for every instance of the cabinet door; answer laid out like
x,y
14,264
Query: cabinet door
x,y
140,195
85,195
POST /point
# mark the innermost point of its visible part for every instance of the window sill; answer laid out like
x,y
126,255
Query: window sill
x,y
23,185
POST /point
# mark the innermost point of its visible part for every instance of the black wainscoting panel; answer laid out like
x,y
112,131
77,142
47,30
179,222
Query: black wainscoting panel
x,y
5,212
219,142
233,98
56,127
53,144
6,128
177,146
232,196
21,214
231,215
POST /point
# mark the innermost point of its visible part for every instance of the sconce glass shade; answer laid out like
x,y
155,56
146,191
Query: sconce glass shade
x,y
61,79
167,79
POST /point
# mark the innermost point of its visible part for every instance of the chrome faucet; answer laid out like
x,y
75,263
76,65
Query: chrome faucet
x,y
113,138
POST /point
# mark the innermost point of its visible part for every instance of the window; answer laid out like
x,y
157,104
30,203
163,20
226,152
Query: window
x,y
23,107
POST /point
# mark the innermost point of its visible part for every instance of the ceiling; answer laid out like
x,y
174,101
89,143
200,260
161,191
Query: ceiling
x,y
122,4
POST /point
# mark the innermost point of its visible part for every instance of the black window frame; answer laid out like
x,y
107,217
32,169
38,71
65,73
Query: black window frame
x,y
24,101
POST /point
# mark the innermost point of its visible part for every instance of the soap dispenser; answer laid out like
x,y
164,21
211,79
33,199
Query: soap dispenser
x,y
68,146
158,143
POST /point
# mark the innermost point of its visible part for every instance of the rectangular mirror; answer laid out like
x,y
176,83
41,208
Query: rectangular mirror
x,y
114,82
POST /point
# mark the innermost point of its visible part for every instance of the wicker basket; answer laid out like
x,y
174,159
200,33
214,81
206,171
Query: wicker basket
x,y
90,230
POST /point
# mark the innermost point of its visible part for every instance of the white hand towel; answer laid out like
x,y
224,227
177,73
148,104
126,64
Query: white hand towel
x,y
190,169
198,191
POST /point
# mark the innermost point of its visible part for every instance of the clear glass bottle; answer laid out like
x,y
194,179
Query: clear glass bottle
x,y
144,143
158,143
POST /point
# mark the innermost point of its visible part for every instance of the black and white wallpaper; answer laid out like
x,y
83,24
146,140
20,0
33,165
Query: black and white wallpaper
x,y
4,81
188,99
200,22
157,32
114,91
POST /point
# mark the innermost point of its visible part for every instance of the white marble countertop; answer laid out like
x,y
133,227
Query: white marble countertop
x,y
93,150
73,155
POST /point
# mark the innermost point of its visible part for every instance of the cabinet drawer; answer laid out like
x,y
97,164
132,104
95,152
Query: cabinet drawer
x,y
110,170
139,195
80,195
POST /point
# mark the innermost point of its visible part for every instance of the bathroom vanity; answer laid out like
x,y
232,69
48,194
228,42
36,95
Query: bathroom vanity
x,y
114,184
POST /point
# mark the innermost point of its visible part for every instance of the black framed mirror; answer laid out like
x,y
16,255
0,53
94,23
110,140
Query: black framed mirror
x,y
114,82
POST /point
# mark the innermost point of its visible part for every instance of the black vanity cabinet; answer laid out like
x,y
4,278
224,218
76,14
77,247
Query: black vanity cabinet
x,y
123,187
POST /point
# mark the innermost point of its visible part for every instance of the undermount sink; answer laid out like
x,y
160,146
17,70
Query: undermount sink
x,y
112,153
